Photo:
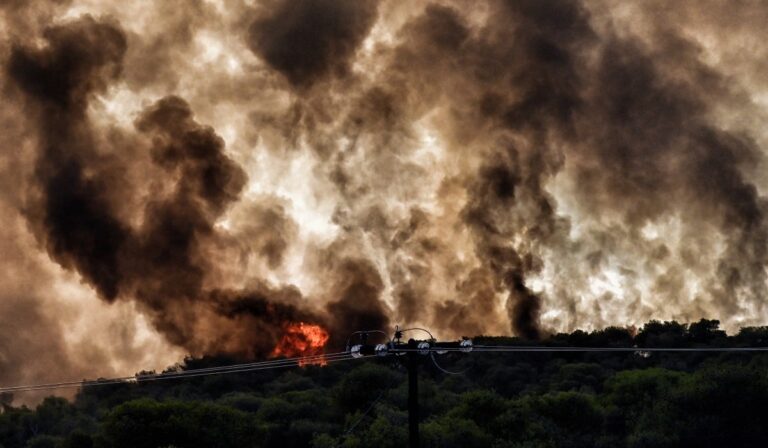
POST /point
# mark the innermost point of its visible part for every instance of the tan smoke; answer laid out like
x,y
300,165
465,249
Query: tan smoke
x,y
219,169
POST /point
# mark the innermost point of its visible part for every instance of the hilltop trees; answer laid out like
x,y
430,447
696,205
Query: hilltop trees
x,y
512,400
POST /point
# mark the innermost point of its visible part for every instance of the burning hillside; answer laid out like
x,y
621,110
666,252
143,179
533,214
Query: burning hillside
x,y
302,339
262,178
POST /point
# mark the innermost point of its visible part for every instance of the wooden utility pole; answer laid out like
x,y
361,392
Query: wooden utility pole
x,y
410,354
412,364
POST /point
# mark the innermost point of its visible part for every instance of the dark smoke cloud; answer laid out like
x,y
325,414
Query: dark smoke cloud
x,y
164,259
501,166
169,251
356,290
81,58
537,92
518,74
308,40
265,228
542,53
664,156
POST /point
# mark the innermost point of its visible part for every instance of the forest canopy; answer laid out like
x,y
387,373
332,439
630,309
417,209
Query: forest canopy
x,y
634,399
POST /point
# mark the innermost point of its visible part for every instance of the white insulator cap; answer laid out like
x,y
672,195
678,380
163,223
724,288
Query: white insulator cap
x,y
423,348
382,350
466,345
355,351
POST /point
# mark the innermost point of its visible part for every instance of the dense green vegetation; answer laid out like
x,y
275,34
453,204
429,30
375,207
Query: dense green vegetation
x,y
503,400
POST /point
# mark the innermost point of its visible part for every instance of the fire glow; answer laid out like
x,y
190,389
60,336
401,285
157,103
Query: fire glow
x,y
302,339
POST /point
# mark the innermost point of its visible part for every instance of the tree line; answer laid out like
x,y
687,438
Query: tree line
x,y
502,400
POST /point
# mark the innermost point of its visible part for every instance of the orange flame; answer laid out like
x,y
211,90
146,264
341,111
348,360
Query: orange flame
x,y
302,339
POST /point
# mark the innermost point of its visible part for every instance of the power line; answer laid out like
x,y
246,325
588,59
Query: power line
x,y
367,411
409,353
340,356
147,376
413,352
172,375
152,377
526,349
234,368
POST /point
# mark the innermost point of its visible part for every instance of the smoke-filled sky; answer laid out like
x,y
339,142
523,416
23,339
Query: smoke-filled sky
x,y
189,177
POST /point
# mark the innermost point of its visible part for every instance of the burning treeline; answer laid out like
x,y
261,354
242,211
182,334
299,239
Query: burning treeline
x,y
241,170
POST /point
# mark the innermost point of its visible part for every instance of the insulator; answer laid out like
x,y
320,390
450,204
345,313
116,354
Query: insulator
x,y
355,352
382,350
441,352
466,345
423,348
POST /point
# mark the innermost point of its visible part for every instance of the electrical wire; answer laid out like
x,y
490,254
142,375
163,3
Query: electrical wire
x,y
434,361
345,355
130,380
145,377
502,348
367,411
154,377
532,349
235,368
418,329
365,333
173,374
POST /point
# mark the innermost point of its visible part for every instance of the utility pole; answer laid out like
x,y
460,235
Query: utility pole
x,y
410,354
412,364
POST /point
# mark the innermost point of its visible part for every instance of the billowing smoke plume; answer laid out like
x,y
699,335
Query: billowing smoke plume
x,y
512,167
308,40
162,254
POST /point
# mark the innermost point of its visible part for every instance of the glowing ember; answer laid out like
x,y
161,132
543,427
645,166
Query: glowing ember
x,y
302,339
